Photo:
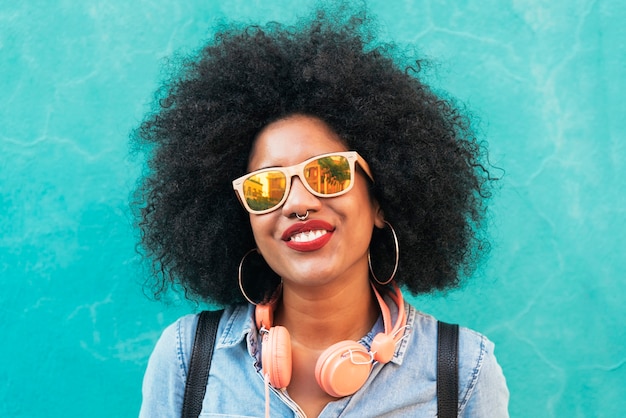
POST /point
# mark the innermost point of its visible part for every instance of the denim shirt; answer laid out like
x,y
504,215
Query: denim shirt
x,y
406,386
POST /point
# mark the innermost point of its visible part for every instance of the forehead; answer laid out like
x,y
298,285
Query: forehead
x,y
292,140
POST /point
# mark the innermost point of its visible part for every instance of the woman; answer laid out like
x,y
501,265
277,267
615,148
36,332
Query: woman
x,y
353,176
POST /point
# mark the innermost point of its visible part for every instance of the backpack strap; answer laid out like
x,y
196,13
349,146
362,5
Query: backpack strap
x,y
200,363
447,370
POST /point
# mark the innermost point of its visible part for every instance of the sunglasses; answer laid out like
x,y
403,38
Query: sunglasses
x,y
326,175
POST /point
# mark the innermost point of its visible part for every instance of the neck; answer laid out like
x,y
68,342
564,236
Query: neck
x,y
321,316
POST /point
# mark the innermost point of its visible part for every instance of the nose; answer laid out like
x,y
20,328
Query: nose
x,y
300,199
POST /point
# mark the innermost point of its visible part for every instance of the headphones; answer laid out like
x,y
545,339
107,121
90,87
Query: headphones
x,y
343,367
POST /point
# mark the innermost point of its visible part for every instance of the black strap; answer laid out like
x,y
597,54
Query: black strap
x,y
200,362
447,370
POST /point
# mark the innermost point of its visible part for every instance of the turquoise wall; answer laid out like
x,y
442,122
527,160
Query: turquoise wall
x,y
545,79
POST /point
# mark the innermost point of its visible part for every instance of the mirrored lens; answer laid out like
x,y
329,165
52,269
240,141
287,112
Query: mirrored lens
x,y
328,175
265,190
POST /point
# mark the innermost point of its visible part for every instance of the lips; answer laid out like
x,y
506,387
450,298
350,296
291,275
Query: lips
x,y
308,236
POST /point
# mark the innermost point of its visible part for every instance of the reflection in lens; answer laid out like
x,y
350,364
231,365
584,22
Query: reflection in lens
x,y
328,175
265,190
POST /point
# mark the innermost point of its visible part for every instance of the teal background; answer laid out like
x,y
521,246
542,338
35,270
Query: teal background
x,y
545,80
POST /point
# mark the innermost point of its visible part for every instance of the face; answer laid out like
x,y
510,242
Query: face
x,y
331,245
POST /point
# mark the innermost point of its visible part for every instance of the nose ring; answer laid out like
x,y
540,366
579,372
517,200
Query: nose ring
x,y
303,217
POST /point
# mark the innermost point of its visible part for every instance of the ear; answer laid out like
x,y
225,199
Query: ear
x,y
379,217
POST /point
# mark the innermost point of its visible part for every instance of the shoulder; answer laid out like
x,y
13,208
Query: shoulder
x,y
482,386
172,345
176,341
165,376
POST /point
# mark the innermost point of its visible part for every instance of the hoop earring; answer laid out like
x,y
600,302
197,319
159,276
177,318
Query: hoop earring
x,y
395,267
267,294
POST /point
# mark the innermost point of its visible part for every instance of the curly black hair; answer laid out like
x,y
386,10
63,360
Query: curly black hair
x,y
429,170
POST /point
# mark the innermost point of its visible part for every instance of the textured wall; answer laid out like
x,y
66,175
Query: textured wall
x,y
544,78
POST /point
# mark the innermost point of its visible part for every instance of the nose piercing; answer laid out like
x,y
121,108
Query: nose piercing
x,y
302,217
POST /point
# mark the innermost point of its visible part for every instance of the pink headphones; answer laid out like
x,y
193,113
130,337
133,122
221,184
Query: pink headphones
x,y
343,367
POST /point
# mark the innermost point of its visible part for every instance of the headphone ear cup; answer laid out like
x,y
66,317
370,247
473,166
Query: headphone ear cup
x,y
343,368
383,347
276,356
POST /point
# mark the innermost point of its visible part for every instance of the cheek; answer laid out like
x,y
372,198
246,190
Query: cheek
x,y
359,217
364,205
261,228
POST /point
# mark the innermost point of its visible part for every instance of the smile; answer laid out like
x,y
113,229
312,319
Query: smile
x,y
308,236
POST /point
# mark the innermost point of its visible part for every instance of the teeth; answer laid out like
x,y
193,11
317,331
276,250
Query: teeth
x,y
308,236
